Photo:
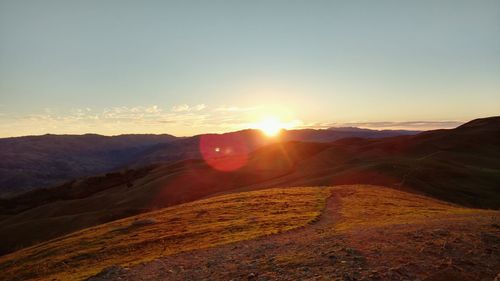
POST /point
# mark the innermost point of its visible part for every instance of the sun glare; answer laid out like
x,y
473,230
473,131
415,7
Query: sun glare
x,y
270,126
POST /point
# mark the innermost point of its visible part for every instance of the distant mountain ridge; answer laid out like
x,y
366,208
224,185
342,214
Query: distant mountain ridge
x,y
458,165
42,161
37,161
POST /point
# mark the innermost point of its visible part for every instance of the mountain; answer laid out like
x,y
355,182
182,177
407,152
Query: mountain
x,y
43,214
249,140
38,161
349,232
42,161
336,133
458,165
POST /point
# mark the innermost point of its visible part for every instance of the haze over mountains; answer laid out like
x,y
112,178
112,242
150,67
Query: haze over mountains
x,y
42,161
457,165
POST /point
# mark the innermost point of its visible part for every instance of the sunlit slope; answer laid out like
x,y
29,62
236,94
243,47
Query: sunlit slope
x,y
97,200
367,206
364,233
141,238
458,165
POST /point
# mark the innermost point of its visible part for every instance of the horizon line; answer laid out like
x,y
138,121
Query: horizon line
x,y
383,126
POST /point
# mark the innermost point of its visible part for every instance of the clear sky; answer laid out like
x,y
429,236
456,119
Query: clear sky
x,y
187,67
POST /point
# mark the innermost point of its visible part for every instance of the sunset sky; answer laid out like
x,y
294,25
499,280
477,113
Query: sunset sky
x,y
189,67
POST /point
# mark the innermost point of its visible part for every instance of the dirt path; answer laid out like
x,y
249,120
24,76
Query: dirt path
x,y
319,252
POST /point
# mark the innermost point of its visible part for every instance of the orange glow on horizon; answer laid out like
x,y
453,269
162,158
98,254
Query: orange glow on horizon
x,y
270,126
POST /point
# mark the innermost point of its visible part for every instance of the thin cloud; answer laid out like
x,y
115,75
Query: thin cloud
x,y
410,125
225,108
187,108
199,107
180,108
181,119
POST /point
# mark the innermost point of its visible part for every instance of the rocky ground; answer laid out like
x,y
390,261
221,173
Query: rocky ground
x,y
446,246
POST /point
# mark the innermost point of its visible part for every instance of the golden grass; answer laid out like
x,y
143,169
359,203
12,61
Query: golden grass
x,y
372,206
196,225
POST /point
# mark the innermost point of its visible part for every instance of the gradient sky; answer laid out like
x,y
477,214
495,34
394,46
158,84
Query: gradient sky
x,y
187,67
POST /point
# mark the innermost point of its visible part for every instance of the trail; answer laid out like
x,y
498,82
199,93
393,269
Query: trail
x,y
461,247
283,256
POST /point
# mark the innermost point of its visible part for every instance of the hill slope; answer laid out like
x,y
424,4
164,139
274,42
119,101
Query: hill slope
x,y
196,225
43,215
40,161
458,165
410,236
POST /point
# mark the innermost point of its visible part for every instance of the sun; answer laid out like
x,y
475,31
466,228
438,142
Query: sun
x,y
270,126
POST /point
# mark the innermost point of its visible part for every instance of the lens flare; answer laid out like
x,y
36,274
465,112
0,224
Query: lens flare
x,y
224,152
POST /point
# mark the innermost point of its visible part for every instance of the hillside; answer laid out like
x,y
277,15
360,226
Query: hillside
x,y
41,215
254,235
250,140
41,161
196,225
458,165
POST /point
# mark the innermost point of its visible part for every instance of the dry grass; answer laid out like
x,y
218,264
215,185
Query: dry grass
x,y
372,206
142,238
364,233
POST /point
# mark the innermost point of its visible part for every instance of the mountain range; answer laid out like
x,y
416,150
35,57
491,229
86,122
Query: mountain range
x,y
458,165
42,161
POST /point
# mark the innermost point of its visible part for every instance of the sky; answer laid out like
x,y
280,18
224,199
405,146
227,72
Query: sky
x,y
189,67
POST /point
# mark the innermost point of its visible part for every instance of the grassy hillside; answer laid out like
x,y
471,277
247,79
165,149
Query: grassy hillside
x,y
374,206
196,225
113,197
458,165
349,232
363,233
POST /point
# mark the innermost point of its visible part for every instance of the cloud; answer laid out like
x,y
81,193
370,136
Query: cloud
x,y
180,108
411,125
225,108
137,112
180,120
199,107
187,108
109,121
152,109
